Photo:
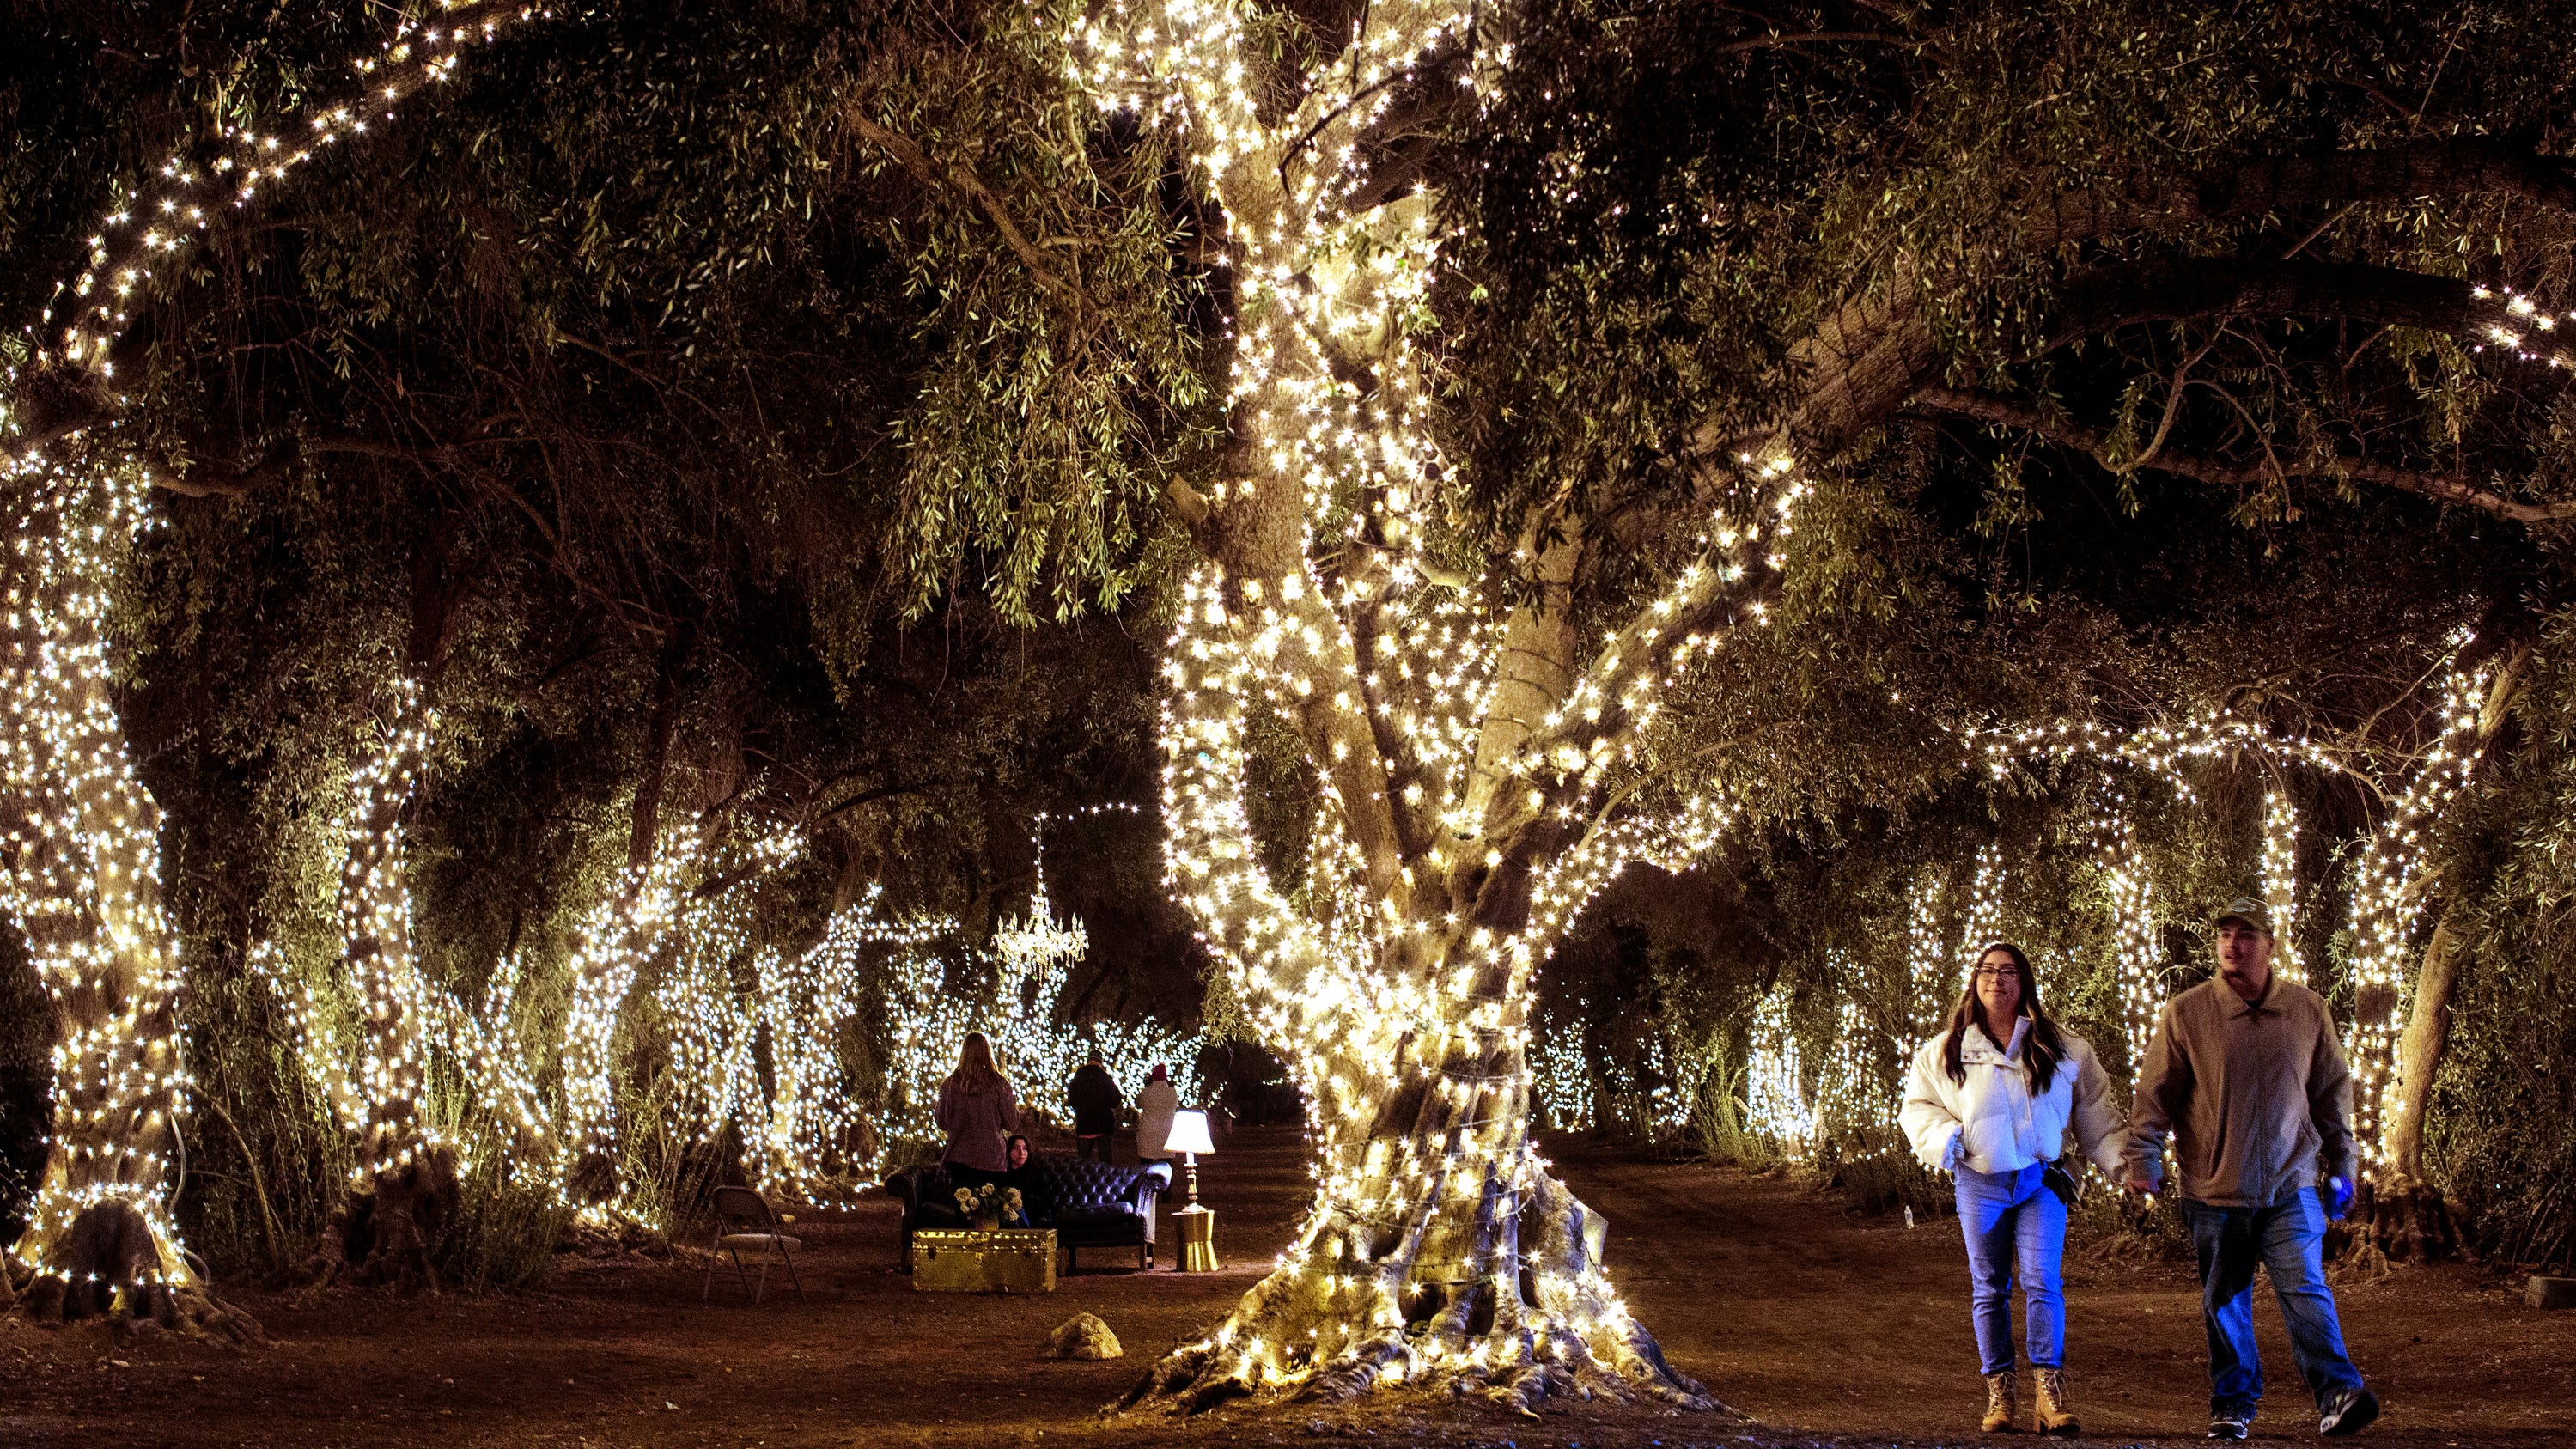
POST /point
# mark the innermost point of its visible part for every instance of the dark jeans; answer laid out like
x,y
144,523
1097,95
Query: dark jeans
x,y
1093,1147
960,1175
2288,1240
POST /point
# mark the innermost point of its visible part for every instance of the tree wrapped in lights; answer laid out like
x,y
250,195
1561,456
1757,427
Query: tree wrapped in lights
x,y
377,1073
809,1132
80,876
1463,748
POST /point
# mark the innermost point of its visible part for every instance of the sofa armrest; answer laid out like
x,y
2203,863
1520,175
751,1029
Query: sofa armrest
x,y
1146,1196
905,1188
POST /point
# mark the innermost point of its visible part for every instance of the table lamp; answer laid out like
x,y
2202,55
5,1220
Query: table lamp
x,y
1189,1138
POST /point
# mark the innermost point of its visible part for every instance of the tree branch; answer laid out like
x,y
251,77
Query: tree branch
x,y
958,176
2006,412
2103,299
1815,37
1872,352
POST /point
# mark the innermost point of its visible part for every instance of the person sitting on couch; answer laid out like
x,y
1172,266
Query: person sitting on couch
x,y
1021,1173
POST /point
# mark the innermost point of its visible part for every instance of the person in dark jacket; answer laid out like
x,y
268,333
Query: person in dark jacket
x,y
1036,1209
1096,1101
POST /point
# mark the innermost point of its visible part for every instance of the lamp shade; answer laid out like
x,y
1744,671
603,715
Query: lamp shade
x,y
1189,1134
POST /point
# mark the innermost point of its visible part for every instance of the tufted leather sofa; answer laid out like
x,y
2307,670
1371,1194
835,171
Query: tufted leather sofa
x,y
1089,1204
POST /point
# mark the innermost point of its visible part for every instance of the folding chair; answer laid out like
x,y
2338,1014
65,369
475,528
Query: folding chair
x,y
740,1205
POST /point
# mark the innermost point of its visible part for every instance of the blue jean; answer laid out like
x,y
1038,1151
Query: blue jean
x,y
2288,1240
2010,1220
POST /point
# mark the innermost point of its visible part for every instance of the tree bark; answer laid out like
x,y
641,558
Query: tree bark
x,y
1873,351
80,872
2408,1216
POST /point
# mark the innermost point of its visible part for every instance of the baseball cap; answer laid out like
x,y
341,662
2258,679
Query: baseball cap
x,y
2245,910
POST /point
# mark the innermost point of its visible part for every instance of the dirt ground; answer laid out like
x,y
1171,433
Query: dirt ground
x,y
1823,1328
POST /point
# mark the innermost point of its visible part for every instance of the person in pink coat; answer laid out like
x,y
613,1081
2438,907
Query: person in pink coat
x,y
979,1111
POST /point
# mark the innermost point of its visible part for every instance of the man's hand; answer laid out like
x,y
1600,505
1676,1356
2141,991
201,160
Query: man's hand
x,y
2142,1186
2338,1197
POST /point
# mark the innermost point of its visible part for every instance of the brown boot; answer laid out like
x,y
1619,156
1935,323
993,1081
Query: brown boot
x,y
1999,1403
2056,1411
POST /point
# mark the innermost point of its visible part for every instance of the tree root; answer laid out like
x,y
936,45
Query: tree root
x,y
108,1267
2406,1221
1516,1327
386,1232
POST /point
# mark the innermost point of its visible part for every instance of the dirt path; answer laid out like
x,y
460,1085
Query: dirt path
x,y
1822,1327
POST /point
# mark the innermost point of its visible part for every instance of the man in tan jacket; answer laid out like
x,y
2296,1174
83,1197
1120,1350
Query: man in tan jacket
x,y
2246,1074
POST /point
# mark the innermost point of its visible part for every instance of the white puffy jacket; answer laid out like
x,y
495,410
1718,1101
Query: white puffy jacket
x,y
1992,1123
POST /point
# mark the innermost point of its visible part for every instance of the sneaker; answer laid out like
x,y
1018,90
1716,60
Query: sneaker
x,y
2348,1412
2229,1426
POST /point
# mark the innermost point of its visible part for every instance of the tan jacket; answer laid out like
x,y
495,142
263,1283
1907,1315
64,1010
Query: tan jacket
x,y
2255,1093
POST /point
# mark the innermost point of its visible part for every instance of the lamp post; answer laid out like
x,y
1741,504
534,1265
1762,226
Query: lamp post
x,y
1189,1138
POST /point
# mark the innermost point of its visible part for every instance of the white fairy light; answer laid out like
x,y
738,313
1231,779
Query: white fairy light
x,y
2388,902
80,869
2281,880
83,880
1775,1103
376,1078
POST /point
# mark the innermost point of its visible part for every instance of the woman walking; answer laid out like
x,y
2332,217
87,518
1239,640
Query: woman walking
x,y
977,1109
1994,1100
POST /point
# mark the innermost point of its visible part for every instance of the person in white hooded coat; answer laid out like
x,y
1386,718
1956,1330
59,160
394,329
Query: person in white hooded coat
x,y
1996,1108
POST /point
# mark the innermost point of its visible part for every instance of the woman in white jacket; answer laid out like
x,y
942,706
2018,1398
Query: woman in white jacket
x,y
1996,1106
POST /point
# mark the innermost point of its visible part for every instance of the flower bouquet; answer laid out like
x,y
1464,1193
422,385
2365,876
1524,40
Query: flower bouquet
x,y
989,1206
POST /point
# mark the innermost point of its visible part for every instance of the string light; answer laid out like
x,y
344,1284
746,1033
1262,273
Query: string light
x,y
81,875
376,1078
159,220
80,869
1774,1088
2388,902
2280,871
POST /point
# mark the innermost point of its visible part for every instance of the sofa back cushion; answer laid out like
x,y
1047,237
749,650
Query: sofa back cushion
x,y
1077,1187
1083,1185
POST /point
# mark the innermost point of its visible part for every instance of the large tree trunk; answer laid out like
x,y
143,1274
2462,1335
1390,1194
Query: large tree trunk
x,y
404,1188
1438,1252
80,873
2403,1214
1464,757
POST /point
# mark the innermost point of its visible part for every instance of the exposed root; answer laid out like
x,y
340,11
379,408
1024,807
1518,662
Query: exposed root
x,y
1500,1295
2405,1221
387,1229
109,1267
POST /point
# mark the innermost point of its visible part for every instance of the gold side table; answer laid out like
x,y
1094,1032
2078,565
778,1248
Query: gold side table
x,y
1198,1238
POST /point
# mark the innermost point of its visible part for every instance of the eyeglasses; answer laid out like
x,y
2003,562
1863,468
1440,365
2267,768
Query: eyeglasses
x,y
1997,973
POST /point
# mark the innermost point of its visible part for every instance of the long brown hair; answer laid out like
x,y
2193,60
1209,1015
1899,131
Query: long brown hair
x,y
978,1070
2041,1050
